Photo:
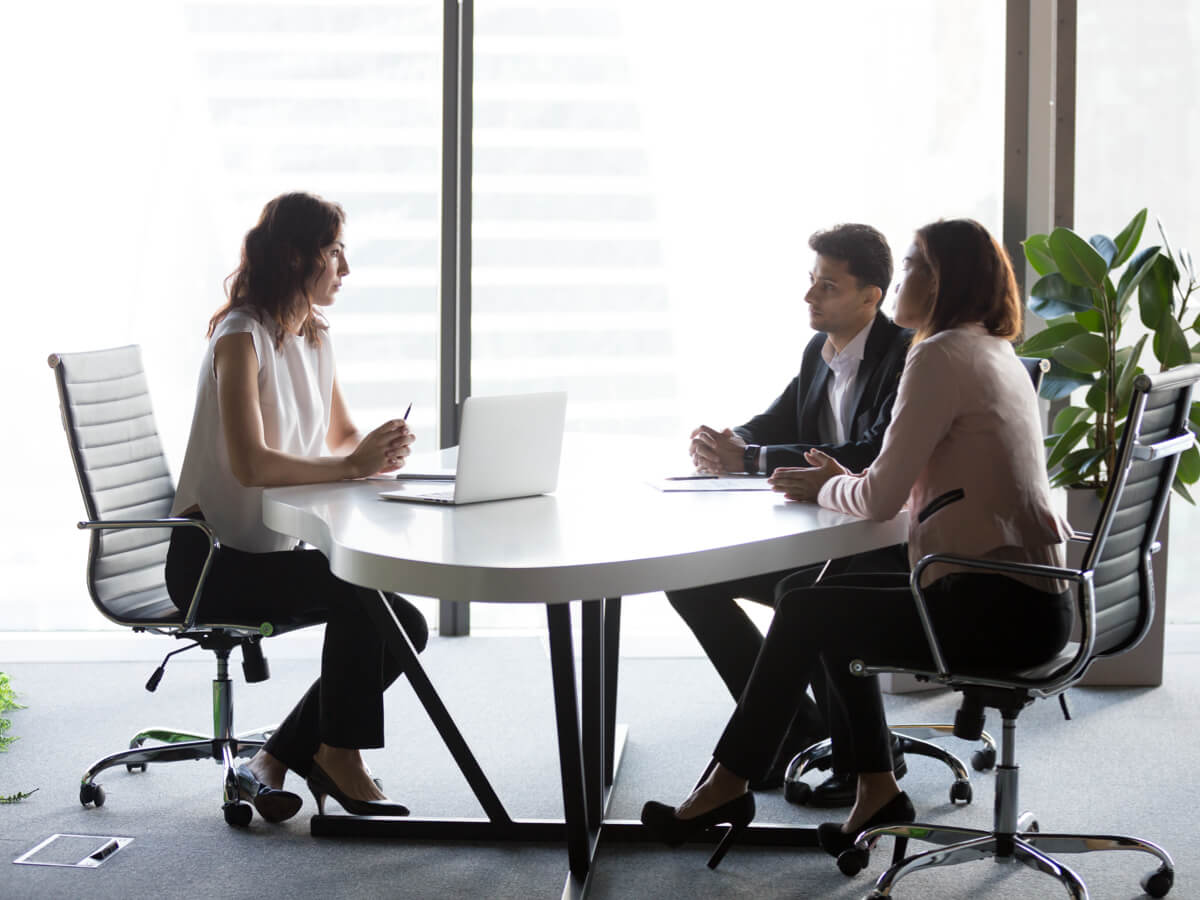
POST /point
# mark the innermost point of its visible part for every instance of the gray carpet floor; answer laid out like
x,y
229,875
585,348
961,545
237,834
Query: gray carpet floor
x,y
1126,764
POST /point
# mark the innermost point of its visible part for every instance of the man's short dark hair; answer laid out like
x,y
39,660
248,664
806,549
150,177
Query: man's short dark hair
x,y
865,251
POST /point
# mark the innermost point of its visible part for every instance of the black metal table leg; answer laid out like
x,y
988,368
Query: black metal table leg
x,y
594,710
612,653
570,751
399,644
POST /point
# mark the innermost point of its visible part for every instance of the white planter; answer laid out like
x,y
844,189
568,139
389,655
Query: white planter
x,y
1143,665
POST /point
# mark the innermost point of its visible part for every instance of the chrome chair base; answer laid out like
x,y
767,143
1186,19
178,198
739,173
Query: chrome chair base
x,y
912,739
174,744
1031,848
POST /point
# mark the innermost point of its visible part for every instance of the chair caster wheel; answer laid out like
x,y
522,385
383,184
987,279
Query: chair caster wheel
x,y
238,814
135,767
960,792
797,792
91,793
983,760
1156,884
853,861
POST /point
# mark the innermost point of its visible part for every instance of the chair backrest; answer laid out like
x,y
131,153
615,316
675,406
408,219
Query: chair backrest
x,y
123,475
1156,432
1037,369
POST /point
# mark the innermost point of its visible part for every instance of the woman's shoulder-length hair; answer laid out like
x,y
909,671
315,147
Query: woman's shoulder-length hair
x,y
281,256
973,279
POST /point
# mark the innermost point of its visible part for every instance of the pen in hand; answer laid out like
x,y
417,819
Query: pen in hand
x,y
406,412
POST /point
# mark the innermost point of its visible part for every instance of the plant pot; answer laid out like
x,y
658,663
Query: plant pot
x,y
1143,665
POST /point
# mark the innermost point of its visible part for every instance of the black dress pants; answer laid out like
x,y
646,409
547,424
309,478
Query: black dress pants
x,y
344,706
732,641
986,620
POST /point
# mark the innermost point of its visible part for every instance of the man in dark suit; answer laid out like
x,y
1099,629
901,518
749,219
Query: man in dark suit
x,y
841,403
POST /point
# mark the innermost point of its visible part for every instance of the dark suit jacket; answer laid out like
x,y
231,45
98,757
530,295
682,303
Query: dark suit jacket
x,y
790,425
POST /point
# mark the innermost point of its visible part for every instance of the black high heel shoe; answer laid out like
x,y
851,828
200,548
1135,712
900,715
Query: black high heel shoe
x,y
273,804
897,811
323,786
673,831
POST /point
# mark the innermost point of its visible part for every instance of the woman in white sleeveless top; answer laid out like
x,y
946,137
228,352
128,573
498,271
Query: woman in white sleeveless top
x,y
269,412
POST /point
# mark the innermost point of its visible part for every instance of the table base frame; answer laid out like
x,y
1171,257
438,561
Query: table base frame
x,y
589,749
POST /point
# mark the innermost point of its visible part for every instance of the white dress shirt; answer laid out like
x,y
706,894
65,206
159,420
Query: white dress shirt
x,y
844,365
840,389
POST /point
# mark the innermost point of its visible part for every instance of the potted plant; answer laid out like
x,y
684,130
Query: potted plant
x,y
1096,346
1084,339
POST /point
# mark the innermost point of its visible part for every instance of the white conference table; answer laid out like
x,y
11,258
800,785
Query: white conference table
x,y
604,534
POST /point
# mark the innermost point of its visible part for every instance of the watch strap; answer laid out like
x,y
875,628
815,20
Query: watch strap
x,y
750,459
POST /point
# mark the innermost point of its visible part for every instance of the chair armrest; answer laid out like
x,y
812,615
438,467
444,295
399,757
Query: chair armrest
x,y
189,619
942,673
1163,448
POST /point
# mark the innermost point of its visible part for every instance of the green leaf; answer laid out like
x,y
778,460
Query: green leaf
x,y
1061,382
1037,251
1049,339
1052,296
1194,414
1183,491
1127,370
1137,269
1077,260
1083,353
1153,300
1154,294
1189,465
1170,346
1097,395
1065,444
1105,247
1128,239
1077,466
1091,320
1068,417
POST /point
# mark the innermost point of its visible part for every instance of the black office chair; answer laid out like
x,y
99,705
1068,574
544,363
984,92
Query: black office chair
x,y
913,739
127,494
1115,606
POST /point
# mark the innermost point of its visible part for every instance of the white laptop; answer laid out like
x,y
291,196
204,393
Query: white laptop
x,y
508,446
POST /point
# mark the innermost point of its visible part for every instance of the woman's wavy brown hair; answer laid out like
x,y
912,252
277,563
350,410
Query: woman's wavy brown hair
x,y
281,256
973,279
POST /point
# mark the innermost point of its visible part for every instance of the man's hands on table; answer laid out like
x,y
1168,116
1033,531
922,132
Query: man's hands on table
x,y
717,452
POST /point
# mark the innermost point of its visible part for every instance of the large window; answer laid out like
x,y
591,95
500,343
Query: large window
x,y
644,191
1138,138
146,137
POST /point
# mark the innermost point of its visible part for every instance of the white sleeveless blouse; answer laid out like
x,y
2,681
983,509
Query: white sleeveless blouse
x,y
295,385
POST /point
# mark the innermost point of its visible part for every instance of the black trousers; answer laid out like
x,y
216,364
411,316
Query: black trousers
x,y
733,642
344,706
986,620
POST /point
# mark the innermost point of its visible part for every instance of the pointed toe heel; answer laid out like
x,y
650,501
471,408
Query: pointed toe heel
x,y
897,811
322,786
737,814
273,804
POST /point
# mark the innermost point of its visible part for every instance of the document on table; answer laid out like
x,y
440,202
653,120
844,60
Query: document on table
x,y
680,483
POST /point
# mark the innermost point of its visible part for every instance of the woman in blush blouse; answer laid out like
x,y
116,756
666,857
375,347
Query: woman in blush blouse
x,y
964,452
